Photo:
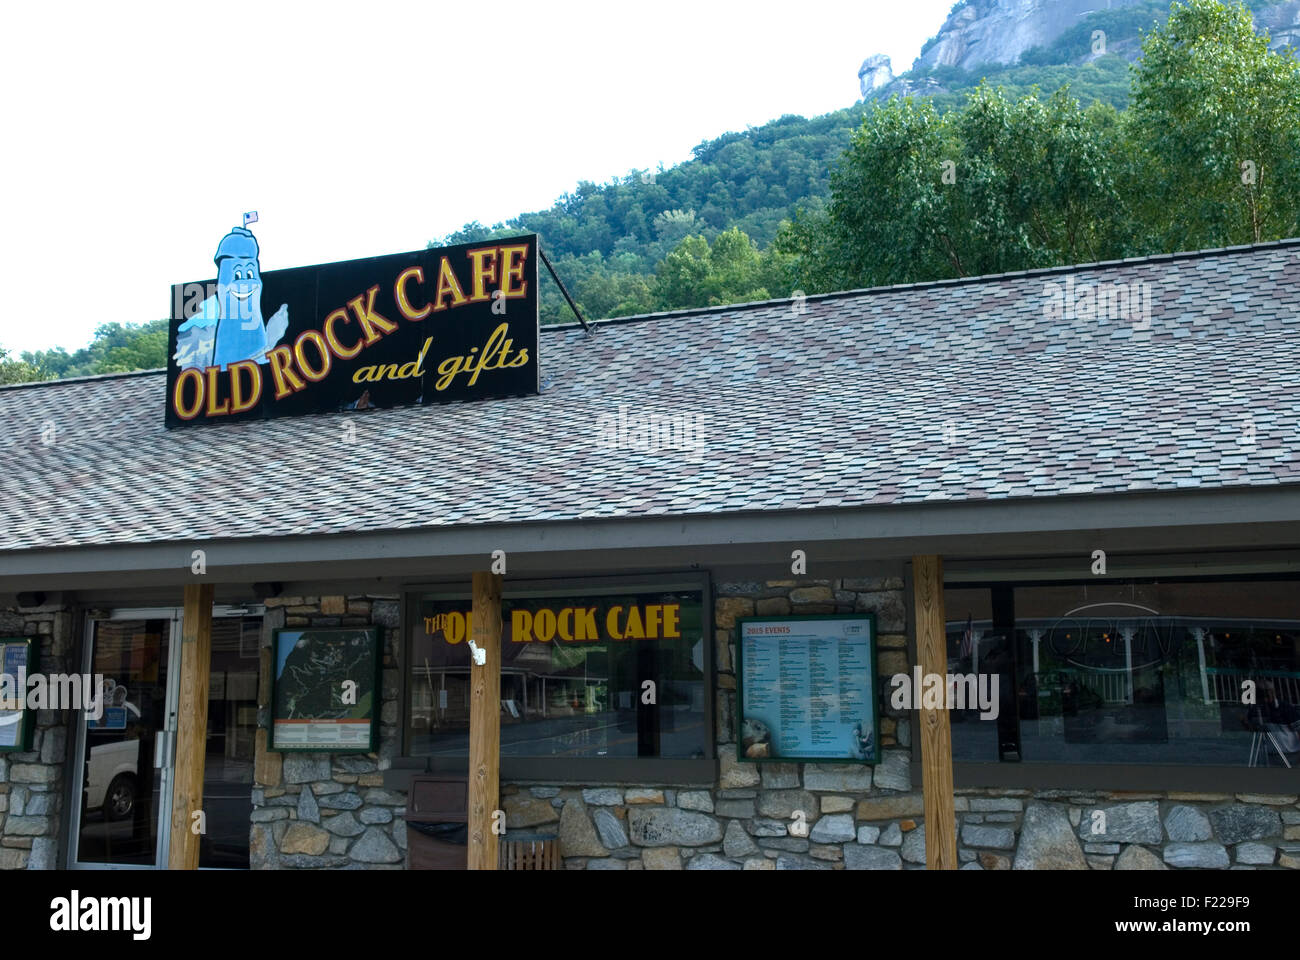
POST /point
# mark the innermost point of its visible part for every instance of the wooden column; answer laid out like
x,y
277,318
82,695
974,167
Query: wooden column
x,y
935,732
485,723
192,725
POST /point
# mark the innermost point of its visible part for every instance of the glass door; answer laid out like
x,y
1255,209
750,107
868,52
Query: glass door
x,y
122,786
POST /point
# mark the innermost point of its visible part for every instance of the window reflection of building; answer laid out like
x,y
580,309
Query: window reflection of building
x,y
1132,672
558,698
232,727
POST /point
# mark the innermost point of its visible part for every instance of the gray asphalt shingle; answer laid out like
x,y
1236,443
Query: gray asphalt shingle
x,y
940,392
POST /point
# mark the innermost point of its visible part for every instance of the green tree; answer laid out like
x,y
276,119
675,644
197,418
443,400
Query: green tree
x,y
601,286
1000,185
674,225
115,348
730,270
888,216
19,371
679,281
1037,183
1217,117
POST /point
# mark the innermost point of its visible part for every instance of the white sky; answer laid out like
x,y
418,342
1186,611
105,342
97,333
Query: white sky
x,y
137,134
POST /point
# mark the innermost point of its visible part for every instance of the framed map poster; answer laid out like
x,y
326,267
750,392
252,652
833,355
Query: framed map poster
x,y
325,689
17,661
806,689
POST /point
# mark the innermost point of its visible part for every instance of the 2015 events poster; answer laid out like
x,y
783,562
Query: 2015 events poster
x,y
807,689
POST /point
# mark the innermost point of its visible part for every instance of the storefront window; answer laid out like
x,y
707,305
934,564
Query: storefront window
x,y
587,670
1142,672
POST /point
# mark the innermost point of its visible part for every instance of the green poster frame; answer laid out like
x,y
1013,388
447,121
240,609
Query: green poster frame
x,y
26,725
375,635
739,718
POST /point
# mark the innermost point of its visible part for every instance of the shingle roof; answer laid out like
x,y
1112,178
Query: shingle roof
x,y
959,390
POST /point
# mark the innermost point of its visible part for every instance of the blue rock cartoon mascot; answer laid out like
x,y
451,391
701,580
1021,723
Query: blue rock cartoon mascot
x,y
228,326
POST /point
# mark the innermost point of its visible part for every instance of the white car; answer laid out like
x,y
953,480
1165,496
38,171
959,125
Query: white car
x,y
111,778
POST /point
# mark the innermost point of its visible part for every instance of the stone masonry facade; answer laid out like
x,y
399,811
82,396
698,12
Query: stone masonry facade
x,y
748,822
32,782
321,810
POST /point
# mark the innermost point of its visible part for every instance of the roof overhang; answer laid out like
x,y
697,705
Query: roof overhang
x,y
1147,522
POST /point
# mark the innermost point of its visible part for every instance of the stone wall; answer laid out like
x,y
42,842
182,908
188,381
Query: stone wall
x,y
32,782
1100,830
321,810
748,822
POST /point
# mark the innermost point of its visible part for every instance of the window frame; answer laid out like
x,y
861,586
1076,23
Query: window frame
x,y
648,770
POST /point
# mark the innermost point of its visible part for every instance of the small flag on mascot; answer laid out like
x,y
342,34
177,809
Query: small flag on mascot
x,y
250,217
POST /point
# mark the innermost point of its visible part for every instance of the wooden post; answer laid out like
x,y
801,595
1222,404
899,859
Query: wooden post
x,y
192,726
935,732
485,723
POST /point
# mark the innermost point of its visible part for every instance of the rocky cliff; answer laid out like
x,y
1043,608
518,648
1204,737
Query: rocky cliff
x,y
980,33
999,31
1282,21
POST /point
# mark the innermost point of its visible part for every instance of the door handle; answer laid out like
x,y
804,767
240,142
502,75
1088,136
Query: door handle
x,y
164,746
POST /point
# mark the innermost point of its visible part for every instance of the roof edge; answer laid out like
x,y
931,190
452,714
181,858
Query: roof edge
x,y
1073,504
932,284
95,377
1264,518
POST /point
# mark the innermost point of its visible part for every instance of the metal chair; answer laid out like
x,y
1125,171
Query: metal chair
x,y
1265,737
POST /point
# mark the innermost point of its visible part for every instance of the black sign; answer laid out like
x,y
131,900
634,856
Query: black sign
x,y
431,326
324,688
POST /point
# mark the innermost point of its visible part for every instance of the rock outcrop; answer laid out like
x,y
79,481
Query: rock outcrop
x,y
875,72
1282,21
979,33
999,31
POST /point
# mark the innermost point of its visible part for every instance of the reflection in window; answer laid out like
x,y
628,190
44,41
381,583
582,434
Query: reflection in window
x,y
232,727
1133,672
574,675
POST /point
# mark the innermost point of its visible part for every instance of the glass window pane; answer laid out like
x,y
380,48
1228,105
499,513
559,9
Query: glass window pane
x,y
1144,672
232,726
573,674
970,636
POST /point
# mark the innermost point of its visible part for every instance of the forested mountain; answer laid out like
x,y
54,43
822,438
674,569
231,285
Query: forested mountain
x,y
609,241
862,196
1207,155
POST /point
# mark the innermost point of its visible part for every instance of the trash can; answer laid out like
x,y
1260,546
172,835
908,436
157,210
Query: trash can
x,y
437,823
